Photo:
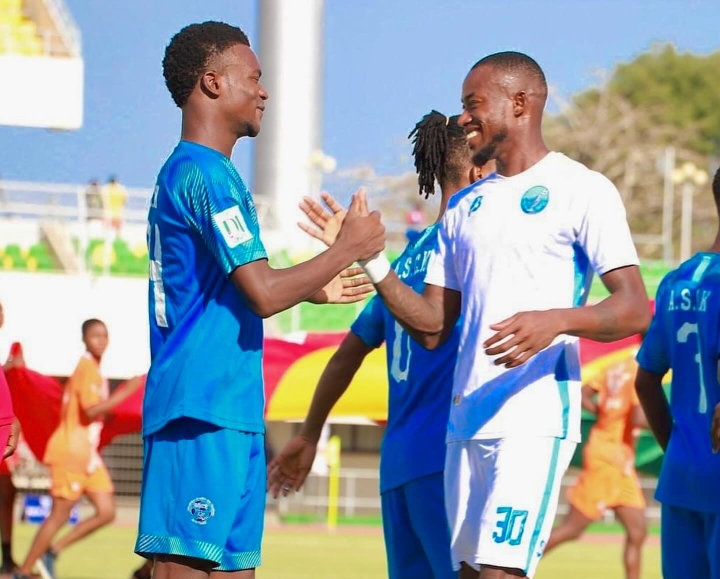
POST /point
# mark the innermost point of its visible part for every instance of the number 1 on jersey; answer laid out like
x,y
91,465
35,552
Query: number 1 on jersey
x,y
683,336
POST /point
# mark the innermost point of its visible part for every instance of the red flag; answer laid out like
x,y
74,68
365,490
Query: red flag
x,y
125,418
36,400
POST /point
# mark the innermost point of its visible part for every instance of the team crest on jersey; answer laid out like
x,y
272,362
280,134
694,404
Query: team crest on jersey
x,y
535,199
201,510
232,226
475,205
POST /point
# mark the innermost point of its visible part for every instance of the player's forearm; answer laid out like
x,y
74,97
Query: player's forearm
x,y
616,317
333,383
589,405
102,408
655,405
421,319
285,288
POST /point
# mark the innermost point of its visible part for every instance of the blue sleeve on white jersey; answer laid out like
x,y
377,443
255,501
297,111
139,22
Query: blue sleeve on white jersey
x,y
370,324
224,216
653,356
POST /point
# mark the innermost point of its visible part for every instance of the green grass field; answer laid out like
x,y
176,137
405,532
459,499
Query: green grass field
x,y
302,552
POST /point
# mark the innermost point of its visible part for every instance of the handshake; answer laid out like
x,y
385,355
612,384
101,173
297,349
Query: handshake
x,y
358,229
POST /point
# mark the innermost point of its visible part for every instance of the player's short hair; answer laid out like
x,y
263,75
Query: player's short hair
x,y
440,150
190,51
716,189
87,324
516,62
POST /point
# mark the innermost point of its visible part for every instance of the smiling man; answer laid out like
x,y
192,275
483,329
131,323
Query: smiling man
x,y
516,254
203,495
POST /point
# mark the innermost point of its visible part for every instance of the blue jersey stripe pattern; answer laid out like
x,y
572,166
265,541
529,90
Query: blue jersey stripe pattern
x,y
206,343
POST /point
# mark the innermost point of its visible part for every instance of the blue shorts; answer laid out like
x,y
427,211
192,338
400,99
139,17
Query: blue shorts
x,y
417,534
690,542
203,495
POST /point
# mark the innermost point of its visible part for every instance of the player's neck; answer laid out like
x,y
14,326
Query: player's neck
x,y
205,133
447,190
516,159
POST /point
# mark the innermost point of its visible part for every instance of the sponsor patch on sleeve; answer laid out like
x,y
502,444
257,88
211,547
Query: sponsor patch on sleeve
x,y
231,224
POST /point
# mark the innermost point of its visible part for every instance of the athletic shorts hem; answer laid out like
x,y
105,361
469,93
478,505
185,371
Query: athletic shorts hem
x,y
240,561
149,545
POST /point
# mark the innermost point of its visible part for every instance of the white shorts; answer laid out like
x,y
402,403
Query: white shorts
x,y
501,496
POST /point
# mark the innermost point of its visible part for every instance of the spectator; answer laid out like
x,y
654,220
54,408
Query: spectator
x,y
114,197
93,200
416,216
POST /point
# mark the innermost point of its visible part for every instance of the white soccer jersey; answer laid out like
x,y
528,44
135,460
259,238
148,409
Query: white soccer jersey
x,y
523,243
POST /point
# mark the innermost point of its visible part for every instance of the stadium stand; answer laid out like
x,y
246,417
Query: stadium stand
x,y
18,34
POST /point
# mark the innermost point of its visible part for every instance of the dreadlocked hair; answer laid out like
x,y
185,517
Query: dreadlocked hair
x,y
439,150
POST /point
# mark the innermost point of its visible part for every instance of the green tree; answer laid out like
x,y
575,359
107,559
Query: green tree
x,y
679,89
622,129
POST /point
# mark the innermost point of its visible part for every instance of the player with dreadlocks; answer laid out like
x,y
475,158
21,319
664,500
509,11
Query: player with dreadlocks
x,y
416,531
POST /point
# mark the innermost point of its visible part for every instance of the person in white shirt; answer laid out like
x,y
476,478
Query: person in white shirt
x,y
515,257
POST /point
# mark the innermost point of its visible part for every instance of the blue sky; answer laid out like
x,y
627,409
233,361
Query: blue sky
x,y
387,62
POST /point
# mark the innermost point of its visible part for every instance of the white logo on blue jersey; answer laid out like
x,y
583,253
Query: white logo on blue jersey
x,y
232,226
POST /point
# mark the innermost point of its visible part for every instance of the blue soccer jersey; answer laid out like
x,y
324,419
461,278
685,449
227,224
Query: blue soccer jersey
x,y
684,337
206,343
420,380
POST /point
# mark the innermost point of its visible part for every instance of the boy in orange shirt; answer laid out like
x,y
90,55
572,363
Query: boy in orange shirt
x,y
608,479
75,464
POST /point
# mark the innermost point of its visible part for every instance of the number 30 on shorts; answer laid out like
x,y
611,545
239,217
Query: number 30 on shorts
x,y
510,526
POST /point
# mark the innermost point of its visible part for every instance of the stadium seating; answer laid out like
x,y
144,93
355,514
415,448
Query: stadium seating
x,y
124,260
18,34
35,258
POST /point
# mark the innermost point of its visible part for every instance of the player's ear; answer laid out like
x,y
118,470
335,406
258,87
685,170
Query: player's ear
x,y
210,83
520,102
476,173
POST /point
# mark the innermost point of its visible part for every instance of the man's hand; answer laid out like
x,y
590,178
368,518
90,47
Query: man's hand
x,y
351,286
525,334
13,440
715,430
361,229
288,470
327,225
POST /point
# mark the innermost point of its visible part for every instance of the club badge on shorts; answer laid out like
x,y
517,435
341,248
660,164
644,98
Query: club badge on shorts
x,y
201,510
